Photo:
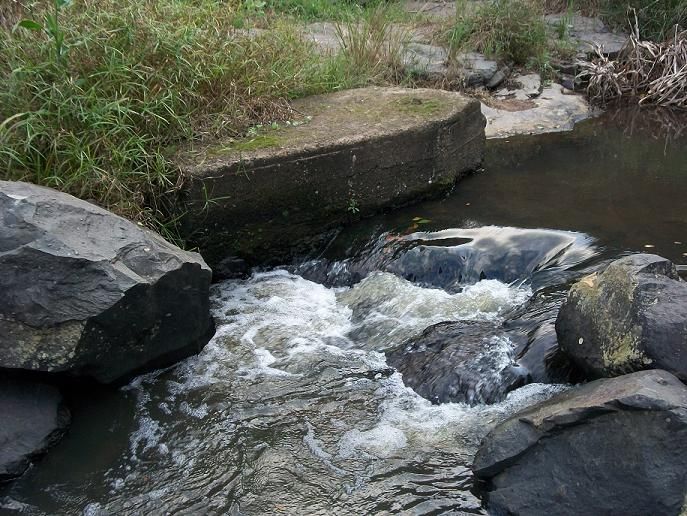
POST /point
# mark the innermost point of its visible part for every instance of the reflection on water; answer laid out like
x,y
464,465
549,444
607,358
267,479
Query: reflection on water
x,y
292,408
621,178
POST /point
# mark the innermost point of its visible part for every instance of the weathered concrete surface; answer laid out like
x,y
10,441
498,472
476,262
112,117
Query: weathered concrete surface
x,y
629,317
614,446
84,292
362,151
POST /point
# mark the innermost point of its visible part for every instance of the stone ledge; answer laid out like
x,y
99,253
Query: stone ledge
x,y
362,151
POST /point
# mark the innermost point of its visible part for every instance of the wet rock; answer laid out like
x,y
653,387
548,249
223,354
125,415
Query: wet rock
x,y
33,419
532,329
231,267
554,110
613,446
632,316
568,82
502,253
467,361
522,87
88,293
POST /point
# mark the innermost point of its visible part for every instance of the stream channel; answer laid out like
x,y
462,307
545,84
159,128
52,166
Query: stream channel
x,y
296,406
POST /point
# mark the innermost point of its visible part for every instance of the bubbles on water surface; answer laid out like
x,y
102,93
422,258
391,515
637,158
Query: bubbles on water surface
x,y
292,405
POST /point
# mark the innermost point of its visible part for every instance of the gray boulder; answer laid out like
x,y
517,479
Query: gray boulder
x,y
630,317
614,446
476,69
33,419
465,361
88,293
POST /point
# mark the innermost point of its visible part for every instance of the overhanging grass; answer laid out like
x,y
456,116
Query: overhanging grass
x,y
133,79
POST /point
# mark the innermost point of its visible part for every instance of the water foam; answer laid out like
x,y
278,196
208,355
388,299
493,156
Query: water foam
x,y
387,309
289,354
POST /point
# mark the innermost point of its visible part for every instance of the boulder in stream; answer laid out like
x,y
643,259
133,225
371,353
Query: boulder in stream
x,y
33,419
614,446
90,294
464,361
631,316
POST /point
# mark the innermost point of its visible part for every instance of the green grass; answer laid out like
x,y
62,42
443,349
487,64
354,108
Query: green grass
x,y
656,18
515,31
335,10
510,30
95,102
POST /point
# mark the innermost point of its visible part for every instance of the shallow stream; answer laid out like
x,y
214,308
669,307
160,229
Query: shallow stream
x,y
293,408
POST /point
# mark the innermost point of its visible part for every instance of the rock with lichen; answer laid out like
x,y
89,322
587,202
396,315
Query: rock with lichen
x,y
631,316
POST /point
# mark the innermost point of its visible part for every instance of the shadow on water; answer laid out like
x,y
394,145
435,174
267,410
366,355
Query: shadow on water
x,y
294,406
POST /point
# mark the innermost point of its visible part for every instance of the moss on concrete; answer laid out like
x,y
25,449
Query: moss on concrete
x,y
344,118
418,106
383,147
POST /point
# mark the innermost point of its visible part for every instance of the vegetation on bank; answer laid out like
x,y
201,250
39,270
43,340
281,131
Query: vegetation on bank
x,y
95,95
656,18
516,31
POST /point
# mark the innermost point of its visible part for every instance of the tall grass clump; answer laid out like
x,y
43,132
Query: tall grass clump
x,y
372,47
512,30
96,94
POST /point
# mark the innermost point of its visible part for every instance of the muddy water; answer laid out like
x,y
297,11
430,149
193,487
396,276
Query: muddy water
x,y
292,407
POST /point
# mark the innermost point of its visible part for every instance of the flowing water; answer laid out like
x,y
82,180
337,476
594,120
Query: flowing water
x,y
292,408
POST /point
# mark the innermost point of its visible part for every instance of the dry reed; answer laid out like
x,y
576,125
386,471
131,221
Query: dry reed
x,y
655,73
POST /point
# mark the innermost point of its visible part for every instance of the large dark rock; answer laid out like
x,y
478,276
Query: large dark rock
x,y
630,317
614,446
88,293
33,419
467,361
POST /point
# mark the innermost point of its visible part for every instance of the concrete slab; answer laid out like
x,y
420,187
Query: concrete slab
x,y
362,151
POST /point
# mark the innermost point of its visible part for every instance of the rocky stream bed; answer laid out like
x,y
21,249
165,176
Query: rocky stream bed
x,y
417,362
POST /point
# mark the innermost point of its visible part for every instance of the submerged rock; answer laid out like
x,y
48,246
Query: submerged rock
x,y
632,316
33,419
467,361
88,293
613,446
492,252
